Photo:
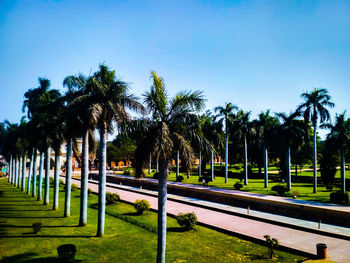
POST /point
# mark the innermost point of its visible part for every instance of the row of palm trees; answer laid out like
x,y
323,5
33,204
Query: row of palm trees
x,y
168,127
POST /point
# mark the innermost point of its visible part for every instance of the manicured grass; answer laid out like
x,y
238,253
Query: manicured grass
x,y
124,242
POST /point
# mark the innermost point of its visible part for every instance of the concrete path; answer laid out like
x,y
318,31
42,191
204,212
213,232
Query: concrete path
x,y
338,249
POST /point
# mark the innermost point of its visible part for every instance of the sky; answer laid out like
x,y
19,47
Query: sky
x,y
258,55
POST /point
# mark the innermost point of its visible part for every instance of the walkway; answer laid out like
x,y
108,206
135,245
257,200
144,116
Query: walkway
x,y
338,249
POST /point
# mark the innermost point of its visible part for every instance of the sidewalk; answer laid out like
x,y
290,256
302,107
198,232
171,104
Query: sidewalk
x,y
338,249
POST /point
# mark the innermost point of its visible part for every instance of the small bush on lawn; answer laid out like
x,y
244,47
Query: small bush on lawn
x,y
339,198
279,189
112,198
180,178
329,187
141,206
156,176
61,182
36,227
74,187
126,173
90,191
238,186
52,181
187,221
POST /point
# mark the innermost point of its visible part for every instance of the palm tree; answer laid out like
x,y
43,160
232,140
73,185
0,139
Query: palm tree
x,y
226,114
165,133
315,108
242,128
340,137
291,131
264,127
108,97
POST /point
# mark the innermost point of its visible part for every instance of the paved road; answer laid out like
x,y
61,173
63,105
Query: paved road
x,y
338,249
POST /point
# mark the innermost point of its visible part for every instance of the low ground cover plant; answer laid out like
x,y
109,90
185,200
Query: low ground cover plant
x,y
279,189
339,198
36,227
180,178
238,186
272,243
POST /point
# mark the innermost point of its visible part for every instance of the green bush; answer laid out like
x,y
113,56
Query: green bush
x,y
329,187
126,173
51,181
204,179
61,182
90,191
271,243
66,253
279,189
187,221
180,178
112,198
238,186
141,206
339,198
74,187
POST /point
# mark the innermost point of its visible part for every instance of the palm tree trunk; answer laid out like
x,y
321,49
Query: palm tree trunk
x,y
212,165
47,177
56,179
342,167
289,178
68,177
162,224
226,156
315,160
150,164
245,161
266,165
200,164
29,182
40,180
177,164
157,168
84,180
102,182
34,172
296,169
23,173
10,169
19,171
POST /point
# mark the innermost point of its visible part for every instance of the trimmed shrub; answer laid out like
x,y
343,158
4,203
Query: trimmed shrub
x,y
61,182
90,191
66,252
36,227
141,206
279,189
187,221
329,187
180,178
126,173
204,179
74,187
339,198
112,198
238,186
52,181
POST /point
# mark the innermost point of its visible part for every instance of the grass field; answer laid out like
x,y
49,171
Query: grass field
x,y
123,242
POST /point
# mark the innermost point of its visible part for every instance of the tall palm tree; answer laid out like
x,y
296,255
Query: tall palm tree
x,y
339,136
291,130
108,98
225,114
164,134
264,127
315,109
243,128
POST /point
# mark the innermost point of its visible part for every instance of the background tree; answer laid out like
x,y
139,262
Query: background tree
x,y
315,109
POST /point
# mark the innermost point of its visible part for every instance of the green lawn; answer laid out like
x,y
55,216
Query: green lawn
x,y
124,242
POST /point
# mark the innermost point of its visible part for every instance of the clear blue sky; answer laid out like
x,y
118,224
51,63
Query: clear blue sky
x,y
256,54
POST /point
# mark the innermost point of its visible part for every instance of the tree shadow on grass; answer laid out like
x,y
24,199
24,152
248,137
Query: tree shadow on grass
x,y
256,257
28,258
176,229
